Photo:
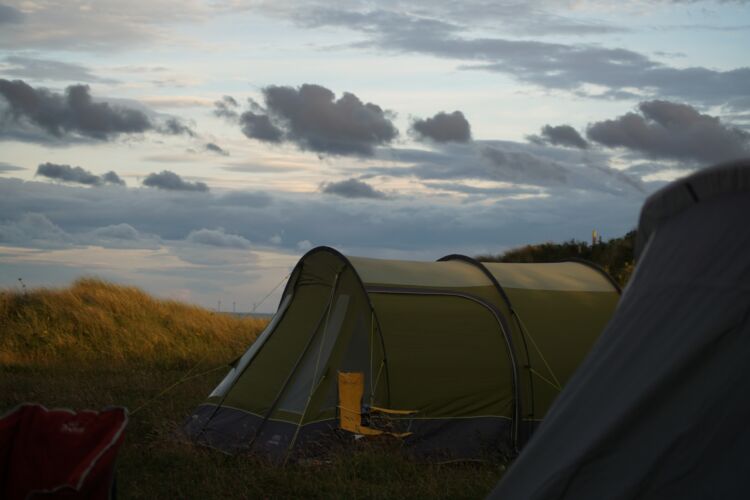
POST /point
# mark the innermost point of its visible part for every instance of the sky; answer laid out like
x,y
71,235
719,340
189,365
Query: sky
x,y
197,149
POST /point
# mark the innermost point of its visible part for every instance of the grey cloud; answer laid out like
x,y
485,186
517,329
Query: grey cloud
x,y
670,130
215,148
172,182
512,162
117,232
444,127
524,167
10,15
103,26
311,117
226,107
120,235
7,167
47,69
112,178
407,223
64,115
549,65
560,135
76,175
217,238
499,161
259,126
352,188
457,187
173,126
34,229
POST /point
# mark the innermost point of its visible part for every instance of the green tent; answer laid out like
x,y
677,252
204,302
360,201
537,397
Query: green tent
x,y
454,356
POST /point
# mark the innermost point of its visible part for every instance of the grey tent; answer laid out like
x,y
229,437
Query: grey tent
x,y
660,407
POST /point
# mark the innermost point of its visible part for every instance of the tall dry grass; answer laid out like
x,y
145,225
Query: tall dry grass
x,y
94,321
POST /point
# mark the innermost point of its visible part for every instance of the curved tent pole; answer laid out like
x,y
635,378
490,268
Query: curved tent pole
x,y
479,265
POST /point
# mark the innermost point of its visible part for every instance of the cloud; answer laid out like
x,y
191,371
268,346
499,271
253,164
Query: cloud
x,y
507,190
117,232
444,127
173,126
41,115
76,175
65,115
101,26
120,235
523,167
34,229
520,164
7,167
668,130
47,69
352,188
9,15
226,107
312,118
214,148
258,126
112,178
560,135
172,182
569,67
217,238
429,223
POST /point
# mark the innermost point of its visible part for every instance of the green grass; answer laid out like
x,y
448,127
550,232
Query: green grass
x,y
97,344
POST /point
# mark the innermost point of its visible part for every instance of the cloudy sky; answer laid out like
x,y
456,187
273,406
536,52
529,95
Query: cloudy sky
x,y
197,149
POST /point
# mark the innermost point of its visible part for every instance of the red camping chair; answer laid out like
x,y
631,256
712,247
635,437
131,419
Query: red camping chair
x,y
59,453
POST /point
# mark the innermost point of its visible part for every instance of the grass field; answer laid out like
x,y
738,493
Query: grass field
x,y
97,344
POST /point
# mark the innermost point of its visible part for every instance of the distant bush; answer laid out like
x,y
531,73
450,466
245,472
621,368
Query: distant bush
x,y
93,320
615,256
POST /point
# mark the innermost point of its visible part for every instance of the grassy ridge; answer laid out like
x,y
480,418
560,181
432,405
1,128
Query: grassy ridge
x,y
96,344
93,321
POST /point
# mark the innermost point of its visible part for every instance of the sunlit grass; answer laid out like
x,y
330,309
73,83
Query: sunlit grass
x,y
95,321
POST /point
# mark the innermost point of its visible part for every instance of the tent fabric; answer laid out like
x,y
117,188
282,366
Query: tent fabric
x,y
470,364
60,453
718,181
659,408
